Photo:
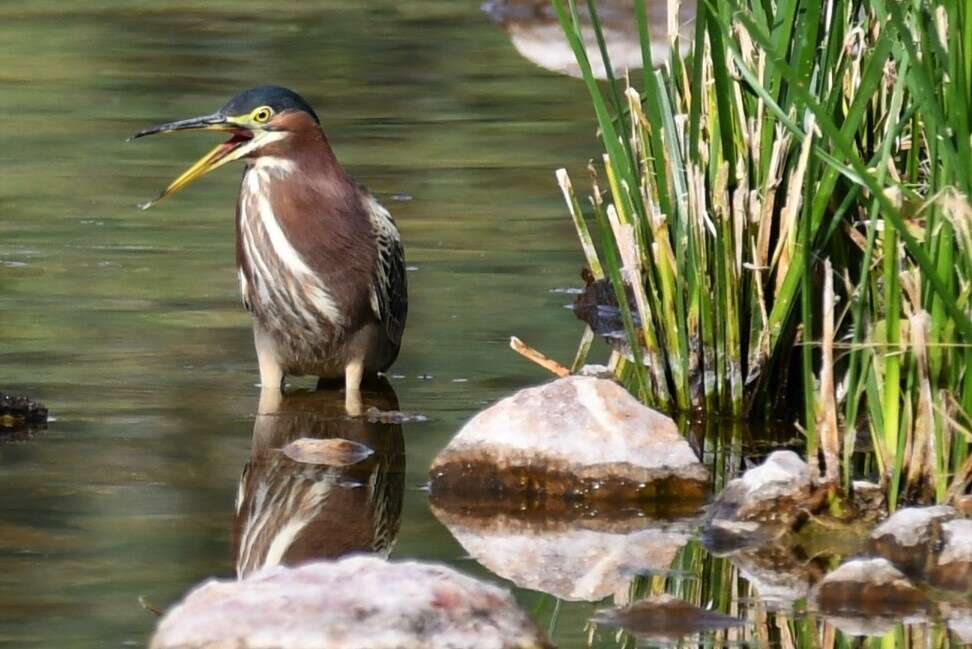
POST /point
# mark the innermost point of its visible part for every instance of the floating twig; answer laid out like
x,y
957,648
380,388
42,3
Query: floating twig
x,y
545,362
144,603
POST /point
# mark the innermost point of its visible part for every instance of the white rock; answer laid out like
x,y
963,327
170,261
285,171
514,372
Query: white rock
x,y
782,474
908,526
950,567
355,603
587,426
958,542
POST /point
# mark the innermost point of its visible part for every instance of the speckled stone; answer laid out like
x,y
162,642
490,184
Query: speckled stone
x,y
354,603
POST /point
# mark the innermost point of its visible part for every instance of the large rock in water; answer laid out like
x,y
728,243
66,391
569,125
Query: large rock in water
x,y
579,436
355,603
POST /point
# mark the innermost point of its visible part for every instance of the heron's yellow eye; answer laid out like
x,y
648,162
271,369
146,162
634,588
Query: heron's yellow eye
x,y
261,114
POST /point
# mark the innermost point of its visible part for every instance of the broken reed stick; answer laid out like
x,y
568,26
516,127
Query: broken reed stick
x,y
545,362
826,414
144,603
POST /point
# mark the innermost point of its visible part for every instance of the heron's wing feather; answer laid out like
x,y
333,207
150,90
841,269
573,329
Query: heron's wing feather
x,y
389,295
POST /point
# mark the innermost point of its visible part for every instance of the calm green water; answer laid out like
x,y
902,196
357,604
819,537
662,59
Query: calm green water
x,y
127,324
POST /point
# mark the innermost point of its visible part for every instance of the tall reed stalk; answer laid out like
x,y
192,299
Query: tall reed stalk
x,y
792,132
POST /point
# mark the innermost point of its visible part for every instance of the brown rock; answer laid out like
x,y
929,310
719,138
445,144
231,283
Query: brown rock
x,y
908,537
951,567
759,506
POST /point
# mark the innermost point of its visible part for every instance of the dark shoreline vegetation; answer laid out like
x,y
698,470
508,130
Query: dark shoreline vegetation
x,y
782,227
20,417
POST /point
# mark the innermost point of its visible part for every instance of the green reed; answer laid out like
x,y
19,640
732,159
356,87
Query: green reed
x,y
788,205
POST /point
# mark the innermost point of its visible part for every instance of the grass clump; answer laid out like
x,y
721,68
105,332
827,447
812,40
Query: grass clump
x,y
786,225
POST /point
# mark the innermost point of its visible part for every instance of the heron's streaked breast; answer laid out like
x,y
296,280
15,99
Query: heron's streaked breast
x,y
286,292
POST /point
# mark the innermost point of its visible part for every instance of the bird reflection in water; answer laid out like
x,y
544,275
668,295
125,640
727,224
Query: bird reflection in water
x,y
289,512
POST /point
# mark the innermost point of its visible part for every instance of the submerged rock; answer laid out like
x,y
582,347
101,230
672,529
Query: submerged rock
x,y
585,559
579,437
871,587
908,537
334,451
355,603
761,505
20,416
664,618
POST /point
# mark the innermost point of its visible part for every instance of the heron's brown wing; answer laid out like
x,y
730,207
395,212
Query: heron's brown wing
x,y
389,296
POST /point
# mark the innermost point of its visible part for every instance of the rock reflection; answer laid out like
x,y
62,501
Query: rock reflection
x,y
586,558
289,512
536,34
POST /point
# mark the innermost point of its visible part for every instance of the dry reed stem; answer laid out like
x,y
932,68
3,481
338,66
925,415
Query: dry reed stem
x,y
540,359
826,411
922,462
772,181
786,241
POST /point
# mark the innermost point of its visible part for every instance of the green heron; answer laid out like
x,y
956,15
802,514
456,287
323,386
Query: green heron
x,y
320,261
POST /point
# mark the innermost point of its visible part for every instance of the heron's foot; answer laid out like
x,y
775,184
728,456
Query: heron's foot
x,y
271,371
269,400
353,403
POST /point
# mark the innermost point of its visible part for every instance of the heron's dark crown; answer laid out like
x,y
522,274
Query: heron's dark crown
x,y
276,97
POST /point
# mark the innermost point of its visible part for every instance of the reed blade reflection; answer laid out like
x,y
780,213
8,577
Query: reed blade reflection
x,y
289,512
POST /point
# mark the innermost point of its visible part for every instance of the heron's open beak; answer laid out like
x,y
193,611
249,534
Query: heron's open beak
x,y
225,152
